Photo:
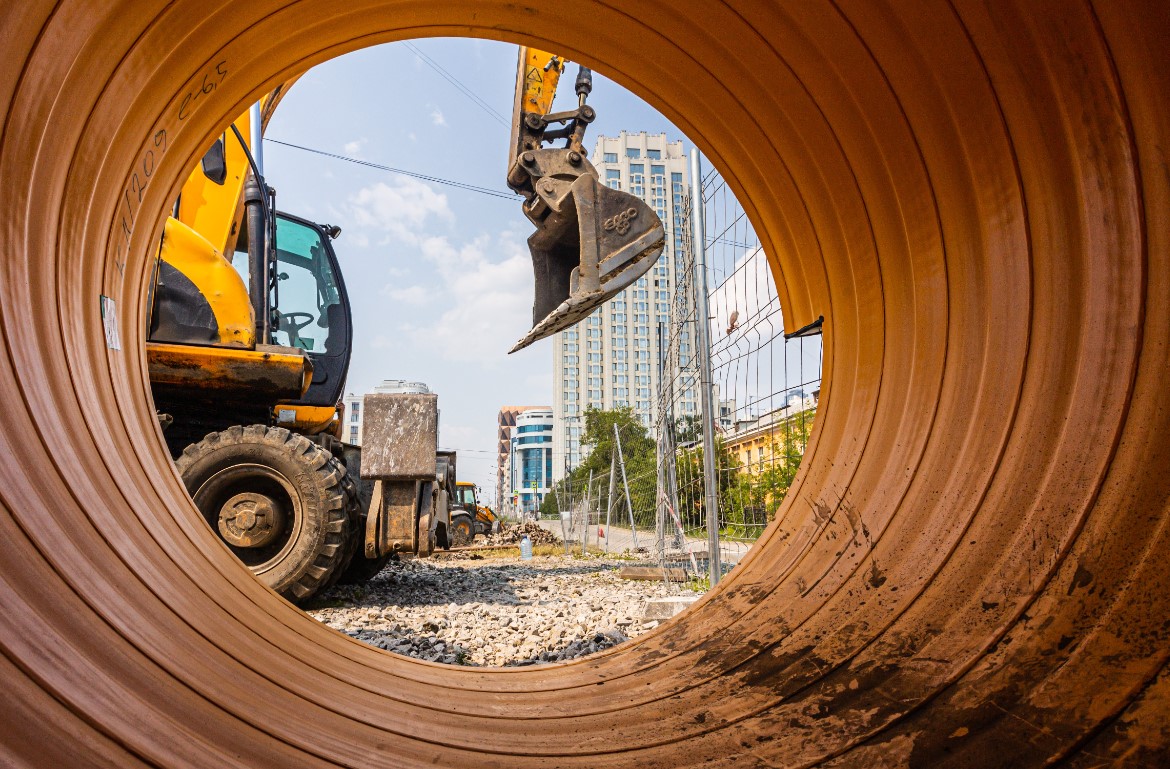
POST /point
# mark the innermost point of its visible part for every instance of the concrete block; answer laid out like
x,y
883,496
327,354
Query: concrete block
x,y
400,434
665,608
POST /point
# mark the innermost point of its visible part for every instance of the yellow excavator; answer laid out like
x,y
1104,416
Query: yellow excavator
x,y
250,339
469,518
248,349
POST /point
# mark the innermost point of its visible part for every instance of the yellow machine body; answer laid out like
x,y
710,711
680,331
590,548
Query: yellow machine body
x,y
272,372
197,260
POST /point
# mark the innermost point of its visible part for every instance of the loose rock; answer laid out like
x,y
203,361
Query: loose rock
x,y
492,611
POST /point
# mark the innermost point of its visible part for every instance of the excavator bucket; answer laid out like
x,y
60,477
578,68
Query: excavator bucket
x,y
593,242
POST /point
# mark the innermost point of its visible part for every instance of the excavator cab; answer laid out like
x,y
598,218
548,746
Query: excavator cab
x,y
310,308
591,241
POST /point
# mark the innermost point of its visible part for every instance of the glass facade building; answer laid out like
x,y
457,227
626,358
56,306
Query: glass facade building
x,y
530,460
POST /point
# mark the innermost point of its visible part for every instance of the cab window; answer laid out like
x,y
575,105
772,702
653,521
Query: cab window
x,y
308,306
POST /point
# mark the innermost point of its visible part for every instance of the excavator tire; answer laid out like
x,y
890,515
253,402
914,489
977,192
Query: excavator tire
x,y
364,569
276,500
462,530
353,529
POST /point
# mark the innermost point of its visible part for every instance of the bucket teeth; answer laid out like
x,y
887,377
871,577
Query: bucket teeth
x,y
594,242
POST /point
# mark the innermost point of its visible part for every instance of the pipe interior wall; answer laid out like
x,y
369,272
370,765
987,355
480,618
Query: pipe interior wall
x,y
971,568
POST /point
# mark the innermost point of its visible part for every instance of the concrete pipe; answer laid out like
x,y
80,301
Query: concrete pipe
x,y
973,568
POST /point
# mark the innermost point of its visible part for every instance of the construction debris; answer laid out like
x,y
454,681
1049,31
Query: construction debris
x,y
512,533
652,573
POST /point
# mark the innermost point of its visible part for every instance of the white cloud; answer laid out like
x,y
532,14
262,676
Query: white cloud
x,y
437,117
415,295
355,147
489,284
402,210
382,342
466,437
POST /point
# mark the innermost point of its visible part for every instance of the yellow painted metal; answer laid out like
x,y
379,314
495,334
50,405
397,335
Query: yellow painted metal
x,y
482,512
309,420
540,76
282,372
195,257
537,75
216,210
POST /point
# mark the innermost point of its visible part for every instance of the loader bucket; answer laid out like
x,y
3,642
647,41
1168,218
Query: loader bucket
x,y
594,242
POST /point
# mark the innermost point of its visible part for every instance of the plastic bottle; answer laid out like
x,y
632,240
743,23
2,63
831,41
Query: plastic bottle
x,y
525,549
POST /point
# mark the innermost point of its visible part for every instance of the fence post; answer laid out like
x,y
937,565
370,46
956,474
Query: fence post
x,y
703,342
626,483
612,494
665,425
588,505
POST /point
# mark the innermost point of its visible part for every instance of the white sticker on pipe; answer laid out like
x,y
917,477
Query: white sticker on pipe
x,y
110,323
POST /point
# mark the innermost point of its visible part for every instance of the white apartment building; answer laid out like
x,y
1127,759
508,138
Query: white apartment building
x,y
612,358
351,429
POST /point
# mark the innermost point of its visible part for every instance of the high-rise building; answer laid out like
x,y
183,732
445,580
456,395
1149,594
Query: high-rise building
x,y
530,463
612,358
351,428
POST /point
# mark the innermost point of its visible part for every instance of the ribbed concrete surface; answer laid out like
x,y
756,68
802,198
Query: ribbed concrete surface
x,y
972,569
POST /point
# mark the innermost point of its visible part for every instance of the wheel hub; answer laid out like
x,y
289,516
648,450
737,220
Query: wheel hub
x,y
250,520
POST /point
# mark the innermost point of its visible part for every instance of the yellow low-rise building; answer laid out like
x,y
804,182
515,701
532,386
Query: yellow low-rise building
x,y
757,444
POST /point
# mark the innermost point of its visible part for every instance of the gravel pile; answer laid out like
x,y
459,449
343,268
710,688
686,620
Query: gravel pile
x,y
492,611
511,534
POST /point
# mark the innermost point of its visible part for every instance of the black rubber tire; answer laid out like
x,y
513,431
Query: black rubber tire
x,y
354,527
364,569
462,530
311,545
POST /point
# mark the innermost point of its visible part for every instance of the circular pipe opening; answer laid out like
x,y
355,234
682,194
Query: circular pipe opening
x,y
978,542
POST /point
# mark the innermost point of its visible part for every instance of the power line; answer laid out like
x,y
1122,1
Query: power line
x,y
412,174
474,97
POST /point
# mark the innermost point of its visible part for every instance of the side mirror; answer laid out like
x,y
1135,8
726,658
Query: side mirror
x,y
215,163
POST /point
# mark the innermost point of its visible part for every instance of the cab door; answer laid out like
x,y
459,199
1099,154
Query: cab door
x,y
310,306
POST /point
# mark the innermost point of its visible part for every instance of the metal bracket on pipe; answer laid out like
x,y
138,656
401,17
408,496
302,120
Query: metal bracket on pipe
x,y
812,329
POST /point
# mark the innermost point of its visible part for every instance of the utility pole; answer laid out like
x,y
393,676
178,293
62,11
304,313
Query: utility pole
x,y
626,483
703,342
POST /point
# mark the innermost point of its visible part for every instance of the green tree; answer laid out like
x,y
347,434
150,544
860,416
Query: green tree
x,y
747,500
637,450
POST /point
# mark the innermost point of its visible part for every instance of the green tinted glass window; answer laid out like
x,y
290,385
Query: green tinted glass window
x,y
307,303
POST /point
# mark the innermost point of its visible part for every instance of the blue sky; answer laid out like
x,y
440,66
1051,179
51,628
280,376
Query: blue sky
x,y
439,277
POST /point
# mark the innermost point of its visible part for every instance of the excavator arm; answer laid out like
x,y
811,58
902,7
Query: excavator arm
x,y
591,241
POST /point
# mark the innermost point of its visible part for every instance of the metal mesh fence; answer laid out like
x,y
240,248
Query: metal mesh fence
x,y
764,394
641,490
